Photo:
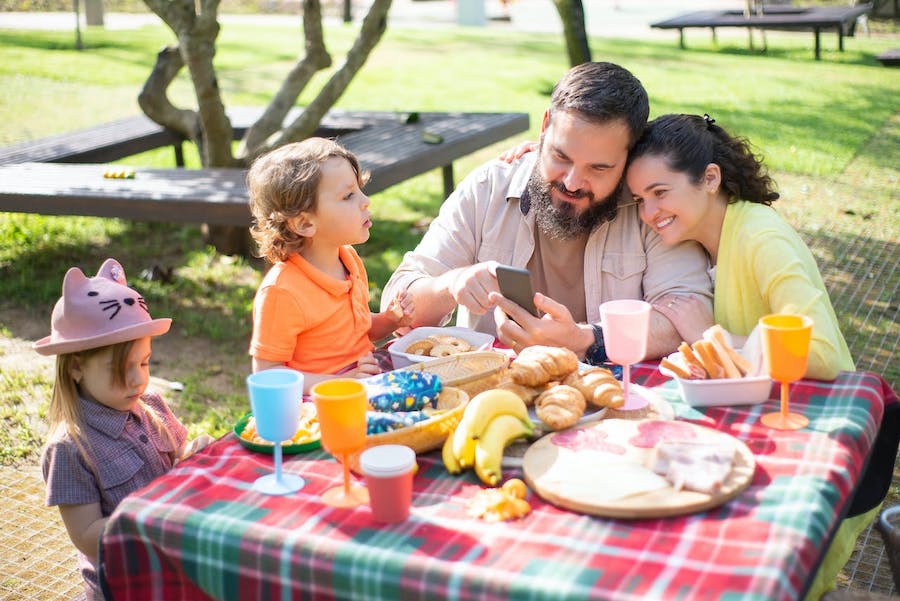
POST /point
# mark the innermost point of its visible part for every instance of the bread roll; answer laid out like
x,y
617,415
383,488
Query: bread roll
x,y
537,365
526,393
598,386
560,406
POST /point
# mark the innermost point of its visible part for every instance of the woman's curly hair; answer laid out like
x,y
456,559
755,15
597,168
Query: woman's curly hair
x,y
689,143
283,184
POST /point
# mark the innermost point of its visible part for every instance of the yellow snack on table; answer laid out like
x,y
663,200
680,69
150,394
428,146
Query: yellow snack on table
x,y
500,504
307,428
115,173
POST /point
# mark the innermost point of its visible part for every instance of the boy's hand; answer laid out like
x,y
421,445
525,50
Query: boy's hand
x,y
401,309
365,367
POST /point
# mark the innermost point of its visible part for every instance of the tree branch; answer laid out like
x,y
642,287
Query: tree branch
x,y
154,100
371,32
315,58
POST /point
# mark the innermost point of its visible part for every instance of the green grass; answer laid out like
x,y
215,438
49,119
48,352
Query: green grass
x,y
829,131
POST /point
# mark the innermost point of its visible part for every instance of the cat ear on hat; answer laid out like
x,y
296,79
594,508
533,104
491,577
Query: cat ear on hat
x,y
73,280
112,270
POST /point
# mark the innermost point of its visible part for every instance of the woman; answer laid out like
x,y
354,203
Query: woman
x,y
694,181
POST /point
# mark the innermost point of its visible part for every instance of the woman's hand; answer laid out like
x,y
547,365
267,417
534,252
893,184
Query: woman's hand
x,y
517,152
688,314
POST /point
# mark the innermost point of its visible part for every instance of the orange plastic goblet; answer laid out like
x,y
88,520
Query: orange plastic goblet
x,y
785,343
341,405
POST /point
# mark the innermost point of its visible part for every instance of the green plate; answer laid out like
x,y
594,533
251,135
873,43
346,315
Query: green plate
x,y
288,449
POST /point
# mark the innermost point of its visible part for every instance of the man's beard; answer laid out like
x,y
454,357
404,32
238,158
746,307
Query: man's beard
x,y
563,223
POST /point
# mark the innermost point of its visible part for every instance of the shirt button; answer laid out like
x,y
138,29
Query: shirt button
x,y
143,438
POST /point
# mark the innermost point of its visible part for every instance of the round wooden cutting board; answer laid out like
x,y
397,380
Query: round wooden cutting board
x,y
598,469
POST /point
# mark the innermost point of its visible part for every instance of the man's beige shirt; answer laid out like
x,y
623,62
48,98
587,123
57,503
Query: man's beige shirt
x,y
483,220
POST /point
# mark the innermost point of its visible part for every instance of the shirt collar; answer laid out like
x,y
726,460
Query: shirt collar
x,y
518,183
331,285
105,419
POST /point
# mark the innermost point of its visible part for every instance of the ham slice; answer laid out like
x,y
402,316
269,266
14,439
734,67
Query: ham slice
x,y
692,465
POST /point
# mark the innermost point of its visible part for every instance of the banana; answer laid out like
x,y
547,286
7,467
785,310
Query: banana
x,y
462,444
450,460
499,432
485,406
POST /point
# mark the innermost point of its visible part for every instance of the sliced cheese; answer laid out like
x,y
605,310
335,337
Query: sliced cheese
x,y
584,479
693,465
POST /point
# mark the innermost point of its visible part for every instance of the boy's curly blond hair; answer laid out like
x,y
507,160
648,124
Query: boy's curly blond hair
x,y
284,183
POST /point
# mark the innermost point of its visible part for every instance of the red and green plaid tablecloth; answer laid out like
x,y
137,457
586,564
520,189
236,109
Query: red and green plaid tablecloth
x,y
200,532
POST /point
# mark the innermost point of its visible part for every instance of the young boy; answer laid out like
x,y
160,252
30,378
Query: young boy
x,y
311,312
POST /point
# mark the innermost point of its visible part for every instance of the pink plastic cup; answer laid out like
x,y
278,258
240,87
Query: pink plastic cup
x,y
389,472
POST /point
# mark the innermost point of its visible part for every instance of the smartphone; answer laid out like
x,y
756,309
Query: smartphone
x,y
515,284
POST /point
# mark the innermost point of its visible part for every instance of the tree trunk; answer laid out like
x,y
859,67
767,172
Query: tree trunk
x,y
93,12
208,126
571,13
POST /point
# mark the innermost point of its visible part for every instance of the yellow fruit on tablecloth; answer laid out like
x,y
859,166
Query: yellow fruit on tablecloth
x,y
515,488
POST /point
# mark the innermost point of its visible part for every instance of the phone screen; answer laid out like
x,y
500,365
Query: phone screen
x,y
515,284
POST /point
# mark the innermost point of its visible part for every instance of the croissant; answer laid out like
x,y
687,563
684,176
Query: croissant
x,y
526,393
598,386
537,365
560,406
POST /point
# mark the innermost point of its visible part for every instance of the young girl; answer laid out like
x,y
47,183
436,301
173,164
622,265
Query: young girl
x,y
108,437
694,181
311,312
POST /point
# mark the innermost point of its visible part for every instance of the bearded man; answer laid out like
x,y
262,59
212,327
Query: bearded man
x,y
563,214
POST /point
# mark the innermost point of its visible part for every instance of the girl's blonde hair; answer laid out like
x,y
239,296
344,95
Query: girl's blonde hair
x,y
65,412
283,183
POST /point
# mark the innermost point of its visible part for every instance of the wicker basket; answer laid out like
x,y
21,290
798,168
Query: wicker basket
x,y
429,434
472,372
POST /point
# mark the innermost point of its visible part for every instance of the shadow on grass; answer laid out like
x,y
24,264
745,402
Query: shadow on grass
x,y
209,304
783,49
207,294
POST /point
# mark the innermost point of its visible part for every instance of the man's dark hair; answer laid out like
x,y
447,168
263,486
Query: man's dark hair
x,y
603,92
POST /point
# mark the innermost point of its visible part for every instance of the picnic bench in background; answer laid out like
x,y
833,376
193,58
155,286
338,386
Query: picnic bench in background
x,y
391,146
841,19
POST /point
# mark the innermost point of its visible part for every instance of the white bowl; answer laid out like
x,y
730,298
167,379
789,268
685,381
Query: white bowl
x,y
478,340
750,390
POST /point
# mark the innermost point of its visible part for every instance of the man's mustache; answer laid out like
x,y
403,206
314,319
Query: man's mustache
x,y
561,188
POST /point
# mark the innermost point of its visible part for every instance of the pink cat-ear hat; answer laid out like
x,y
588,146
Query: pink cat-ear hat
x,y
98,311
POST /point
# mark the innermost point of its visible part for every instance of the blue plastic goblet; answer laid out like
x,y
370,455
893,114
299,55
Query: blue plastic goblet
x,y
275,397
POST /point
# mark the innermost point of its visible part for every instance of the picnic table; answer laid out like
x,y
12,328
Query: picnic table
x,y
201,532
390,145
841,19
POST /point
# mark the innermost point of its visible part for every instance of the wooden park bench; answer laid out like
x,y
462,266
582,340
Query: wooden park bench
x,y
391,146
841,19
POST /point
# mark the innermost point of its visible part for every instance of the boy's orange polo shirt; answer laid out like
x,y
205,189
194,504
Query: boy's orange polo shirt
x,y
309,320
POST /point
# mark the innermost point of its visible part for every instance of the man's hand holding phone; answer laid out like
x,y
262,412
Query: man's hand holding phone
x,y
515,284
525,319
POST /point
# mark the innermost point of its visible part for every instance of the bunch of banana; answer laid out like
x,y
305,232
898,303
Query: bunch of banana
x,y
492,420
